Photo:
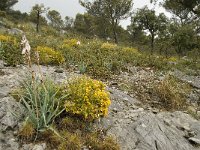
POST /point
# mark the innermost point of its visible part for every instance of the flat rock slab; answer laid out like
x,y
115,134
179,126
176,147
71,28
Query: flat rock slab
x,y
192,80
139,129
8,141
134,127
4,91
147,131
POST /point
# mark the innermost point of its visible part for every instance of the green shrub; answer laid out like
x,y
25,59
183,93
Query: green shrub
x,y
70,43
87,98
50,56
10,51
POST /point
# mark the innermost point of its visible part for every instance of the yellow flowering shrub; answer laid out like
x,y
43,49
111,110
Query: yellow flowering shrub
x,y
10,50
130,50
87,98
70,43
173,59
49,56
7,39
108,46
4,38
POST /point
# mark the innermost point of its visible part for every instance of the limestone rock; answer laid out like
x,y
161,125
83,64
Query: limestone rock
x,y
192,80
195,141
4,91
41,146
8,141
137,128
9,113
15,31
1,64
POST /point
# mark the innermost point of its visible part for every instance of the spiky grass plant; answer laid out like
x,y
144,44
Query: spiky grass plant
x,y
41,102
40,95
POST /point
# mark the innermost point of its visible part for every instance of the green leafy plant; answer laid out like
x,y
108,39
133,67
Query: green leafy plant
x,y
82,67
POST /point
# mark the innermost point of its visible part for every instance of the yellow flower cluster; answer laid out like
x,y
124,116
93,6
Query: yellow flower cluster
x,y
7,39
68,43
87,98
173,59
49,55
130,50
108,46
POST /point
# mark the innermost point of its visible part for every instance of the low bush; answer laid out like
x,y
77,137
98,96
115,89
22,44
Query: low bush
x,y
87,98
108,46
50,56
10,51
70,43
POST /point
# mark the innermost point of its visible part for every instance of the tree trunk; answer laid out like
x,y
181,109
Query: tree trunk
x,y
115,36
152,43
114,26
38,21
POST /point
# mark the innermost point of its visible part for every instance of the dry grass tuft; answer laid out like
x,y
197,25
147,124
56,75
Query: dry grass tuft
x,y
27,132
70,142
171,93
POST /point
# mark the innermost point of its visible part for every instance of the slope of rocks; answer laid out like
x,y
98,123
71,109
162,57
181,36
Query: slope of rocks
x,y
135,127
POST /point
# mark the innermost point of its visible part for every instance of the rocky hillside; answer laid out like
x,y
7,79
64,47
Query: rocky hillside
x,y
136,124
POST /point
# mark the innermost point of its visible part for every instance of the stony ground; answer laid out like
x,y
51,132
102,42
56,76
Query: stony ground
x,y
136,126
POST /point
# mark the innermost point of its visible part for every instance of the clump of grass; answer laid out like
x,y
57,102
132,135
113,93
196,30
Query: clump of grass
x,y
72,124
193,114
93,141
171,93
51,138
27,132
70,142
16,94
110,143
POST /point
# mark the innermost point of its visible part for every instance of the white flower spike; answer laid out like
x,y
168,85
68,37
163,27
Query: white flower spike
x,y
26,46
78,43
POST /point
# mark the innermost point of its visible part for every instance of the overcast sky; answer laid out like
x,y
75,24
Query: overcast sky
x,y
72,7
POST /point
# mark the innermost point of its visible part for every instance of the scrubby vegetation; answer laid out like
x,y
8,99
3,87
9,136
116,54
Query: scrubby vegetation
x,y
63,115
